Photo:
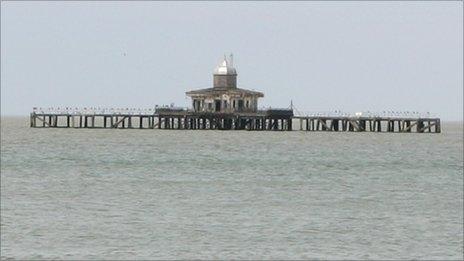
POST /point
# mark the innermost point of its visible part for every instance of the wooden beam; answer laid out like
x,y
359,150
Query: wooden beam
x,y
119,121
44,121
354,124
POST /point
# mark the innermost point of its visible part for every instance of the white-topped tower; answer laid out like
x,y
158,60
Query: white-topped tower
x,y
225,75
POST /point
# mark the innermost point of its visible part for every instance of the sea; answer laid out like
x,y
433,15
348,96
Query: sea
x,y
114,194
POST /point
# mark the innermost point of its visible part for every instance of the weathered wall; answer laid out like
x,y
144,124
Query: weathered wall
x,y
225,81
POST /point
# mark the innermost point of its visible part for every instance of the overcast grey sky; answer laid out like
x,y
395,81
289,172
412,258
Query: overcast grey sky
x,y
350,56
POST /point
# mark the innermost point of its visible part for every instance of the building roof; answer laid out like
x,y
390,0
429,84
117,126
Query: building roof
x,y
224,90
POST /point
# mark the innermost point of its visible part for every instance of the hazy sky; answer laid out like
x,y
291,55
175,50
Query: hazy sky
x,y
350,56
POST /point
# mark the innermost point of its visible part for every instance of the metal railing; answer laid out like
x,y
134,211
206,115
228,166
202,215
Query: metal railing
x,y
298,113
367,114
93,111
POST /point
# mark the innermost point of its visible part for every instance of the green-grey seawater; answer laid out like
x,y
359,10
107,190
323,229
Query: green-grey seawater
x,y
177,194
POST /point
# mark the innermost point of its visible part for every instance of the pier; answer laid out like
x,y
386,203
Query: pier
x,y
369,124
261,120
225,106
164,118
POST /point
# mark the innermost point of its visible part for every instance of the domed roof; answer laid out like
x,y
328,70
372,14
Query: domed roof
x,y
225,67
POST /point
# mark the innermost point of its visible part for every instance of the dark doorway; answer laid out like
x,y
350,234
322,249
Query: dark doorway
x,y
196,105
240,105
217,105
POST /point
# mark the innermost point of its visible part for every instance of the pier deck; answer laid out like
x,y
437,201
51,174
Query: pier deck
x,y
369,124
166,119
272,119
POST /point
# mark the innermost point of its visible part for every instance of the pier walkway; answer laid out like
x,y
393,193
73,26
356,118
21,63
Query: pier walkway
x,y
162,118
270,119
370,124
